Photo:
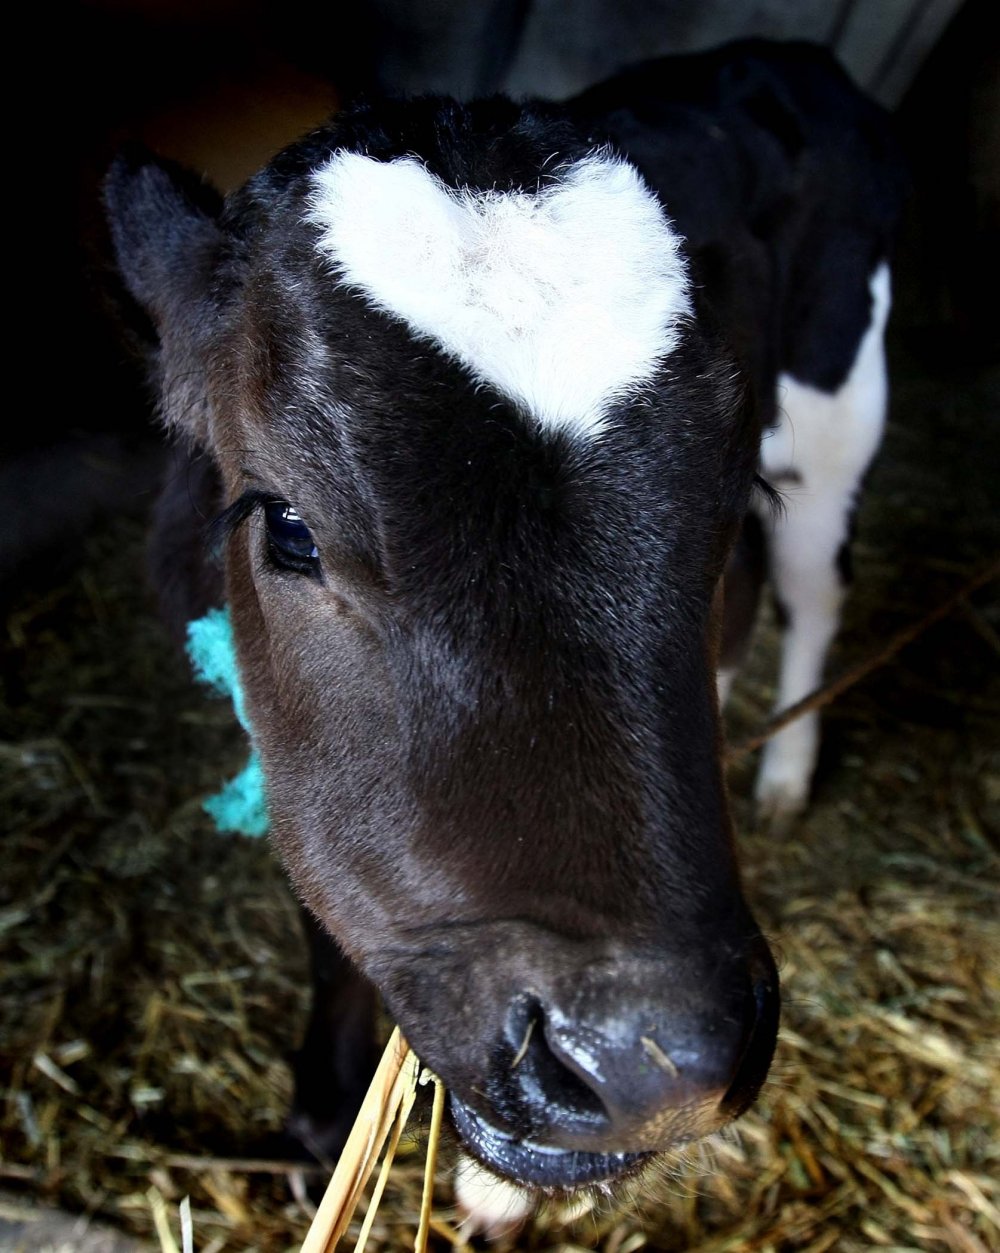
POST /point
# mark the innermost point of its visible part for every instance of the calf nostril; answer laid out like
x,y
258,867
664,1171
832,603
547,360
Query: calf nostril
x,y
542,1085
522,1048
755,1059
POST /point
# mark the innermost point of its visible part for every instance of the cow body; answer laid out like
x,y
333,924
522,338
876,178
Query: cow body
x,y
483,401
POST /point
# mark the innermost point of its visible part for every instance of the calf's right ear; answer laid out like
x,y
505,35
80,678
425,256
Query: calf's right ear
x,y
168,244
164,229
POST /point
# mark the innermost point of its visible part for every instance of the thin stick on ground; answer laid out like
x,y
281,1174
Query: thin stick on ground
x,y
231,1165
836,687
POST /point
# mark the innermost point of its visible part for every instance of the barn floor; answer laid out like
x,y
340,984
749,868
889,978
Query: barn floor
x,y
153,977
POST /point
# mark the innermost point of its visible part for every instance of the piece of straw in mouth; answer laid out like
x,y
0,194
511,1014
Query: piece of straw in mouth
x,y
393,1084
437,1114
406,1105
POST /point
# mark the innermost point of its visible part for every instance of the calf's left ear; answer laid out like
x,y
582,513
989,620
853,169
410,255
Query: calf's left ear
x,y
168,244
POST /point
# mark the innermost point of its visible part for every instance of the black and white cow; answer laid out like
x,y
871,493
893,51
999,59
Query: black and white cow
x,y
786,186
483,390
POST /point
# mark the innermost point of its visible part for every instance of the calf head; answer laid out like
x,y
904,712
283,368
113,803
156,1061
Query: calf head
x,y
485,462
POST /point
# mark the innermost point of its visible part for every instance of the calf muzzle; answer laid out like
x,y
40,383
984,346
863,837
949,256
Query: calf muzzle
x,y
589,1073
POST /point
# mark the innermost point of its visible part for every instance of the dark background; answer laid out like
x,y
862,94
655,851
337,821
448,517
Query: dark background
x,y
221,85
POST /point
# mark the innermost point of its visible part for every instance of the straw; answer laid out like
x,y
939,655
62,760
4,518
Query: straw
x,y
392,1081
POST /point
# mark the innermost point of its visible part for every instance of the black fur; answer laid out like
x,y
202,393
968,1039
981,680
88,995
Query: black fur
x,y
786,183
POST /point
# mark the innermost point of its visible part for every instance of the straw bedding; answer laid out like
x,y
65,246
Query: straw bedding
x,y
153,978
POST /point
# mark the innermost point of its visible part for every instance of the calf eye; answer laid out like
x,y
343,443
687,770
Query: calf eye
x,y
288,538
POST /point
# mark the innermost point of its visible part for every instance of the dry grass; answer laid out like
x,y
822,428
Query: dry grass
x,y
153,976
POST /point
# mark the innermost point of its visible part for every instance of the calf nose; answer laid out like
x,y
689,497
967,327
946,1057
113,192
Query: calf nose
x,y
595,1078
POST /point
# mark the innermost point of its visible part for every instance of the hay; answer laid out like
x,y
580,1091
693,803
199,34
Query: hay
x,y
153,976
385,1109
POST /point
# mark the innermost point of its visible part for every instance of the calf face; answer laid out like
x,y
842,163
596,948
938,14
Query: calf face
x,y
485,459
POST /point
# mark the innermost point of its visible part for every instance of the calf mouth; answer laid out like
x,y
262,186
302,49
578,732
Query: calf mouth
x,y
538,1165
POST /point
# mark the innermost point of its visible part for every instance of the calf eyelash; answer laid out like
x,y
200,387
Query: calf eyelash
x,y
231,519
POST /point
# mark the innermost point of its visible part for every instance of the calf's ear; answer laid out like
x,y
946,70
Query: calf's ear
x,y
164,229
168,245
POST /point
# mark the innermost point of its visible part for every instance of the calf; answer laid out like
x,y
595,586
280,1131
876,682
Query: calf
x,y
481,389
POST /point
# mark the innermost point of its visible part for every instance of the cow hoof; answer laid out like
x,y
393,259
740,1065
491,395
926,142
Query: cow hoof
x,y
778,806
785,775
489,1206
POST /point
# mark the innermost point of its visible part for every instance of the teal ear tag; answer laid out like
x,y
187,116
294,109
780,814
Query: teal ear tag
x,y
241,805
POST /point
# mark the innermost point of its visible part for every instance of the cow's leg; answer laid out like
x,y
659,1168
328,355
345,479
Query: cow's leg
x,y
334,1066
817,455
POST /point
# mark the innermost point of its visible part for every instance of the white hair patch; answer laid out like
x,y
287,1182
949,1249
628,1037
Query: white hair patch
x,y
486,1203
565,300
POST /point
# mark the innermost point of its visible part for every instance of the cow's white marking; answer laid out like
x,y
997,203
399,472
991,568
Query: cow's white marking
x,y
488,1204
829,440
725,676
565,300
